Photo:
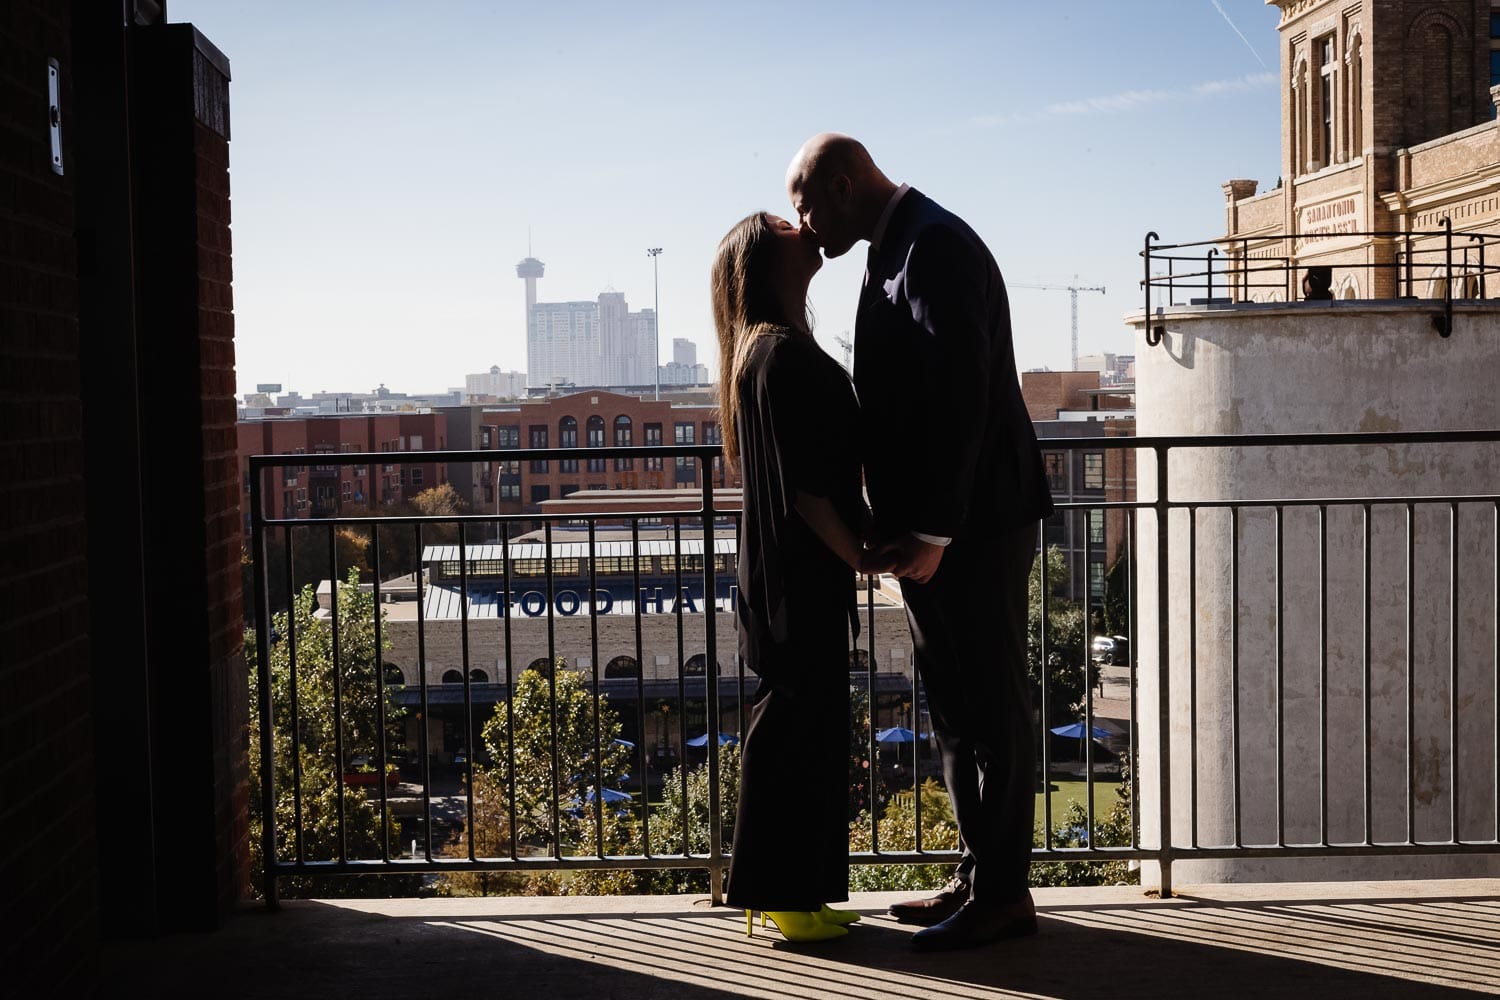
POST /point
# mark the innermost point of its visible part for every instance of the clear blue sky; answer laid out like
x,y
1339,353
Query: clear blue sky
x,y
388,158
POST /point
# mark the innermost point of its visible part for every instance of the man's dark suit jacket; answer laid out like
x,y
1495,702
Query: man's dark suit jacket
x,y
947,444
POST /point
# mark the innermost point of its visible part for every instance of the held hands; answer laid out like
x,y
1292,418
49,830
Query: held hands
x,y
904,555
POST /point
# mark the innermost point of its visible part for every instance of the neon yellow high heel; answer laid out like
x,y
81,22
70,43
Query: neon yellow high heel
x,y
797,926
838,917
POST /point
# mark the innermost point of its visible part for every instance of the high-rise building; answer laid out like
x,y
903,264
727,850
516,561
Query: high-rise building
x,y
684,352
600,343
496,384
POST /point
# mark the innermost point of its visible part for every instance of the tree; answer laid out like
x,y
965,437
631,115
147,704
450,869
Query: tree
x,y
667,824
522,755
1066,657
363,697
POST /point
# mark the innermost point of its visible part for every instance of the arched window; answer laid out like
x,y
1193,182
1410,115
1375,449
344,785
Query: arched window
x,y
859,661
622,666
452,677
624,438
541,665
695,665
567,437
393,675
477,676
595,439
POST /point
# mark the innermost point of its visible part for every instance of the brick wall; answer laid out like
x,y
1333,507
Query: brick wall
x,y
48,868
1047,392
221,488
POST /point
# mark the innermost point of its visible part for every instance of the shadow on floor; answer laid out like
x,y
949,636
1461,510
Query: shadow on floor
x,y
1365,948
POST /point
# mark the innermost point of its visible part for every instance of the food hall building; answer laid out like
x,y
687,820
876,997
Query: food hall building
x,y
671,592
1387,127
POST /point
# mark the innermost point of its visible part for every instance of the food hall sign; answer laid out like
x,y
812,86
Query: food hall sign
x,y
1329,224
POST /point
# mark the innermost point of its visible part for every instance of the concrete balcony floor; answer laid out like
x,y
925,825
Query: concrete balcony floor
x,y
1408,940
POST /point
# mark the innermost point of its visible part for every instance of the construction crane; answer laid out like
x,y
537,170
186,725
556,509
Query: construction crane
x,y
1072,291
848,352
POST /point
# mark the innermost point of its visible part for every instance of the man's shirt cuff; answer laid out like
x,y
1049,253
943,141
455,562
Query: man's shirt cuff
x,y
937,540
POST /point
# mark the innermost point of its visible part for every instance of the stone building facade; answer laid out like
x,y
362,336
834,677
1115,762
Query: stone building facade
x,y
1387,127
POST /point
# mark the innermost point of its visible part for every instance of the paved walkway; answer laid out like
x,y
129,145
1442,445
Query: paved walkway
x,y
1407,940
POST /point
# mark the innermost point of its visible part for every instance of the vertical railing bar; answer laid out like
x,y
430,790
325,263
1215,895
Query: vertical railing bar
x,y
870,751
1132,633
593,523
739,706
1163,693
1234,675
1453,671
338,688
261,550
291,649
640,684
549,567
711,688
712,739
1323,674
470,749
1192,637
1495,652
1366,733
1280,707
510,692
385,828
423,731
916,747
1448,284
1411,659
1041,531
1088,662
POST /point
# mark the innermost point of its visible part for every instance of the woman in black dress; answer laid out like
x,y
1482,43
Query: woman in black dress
x,y
788,412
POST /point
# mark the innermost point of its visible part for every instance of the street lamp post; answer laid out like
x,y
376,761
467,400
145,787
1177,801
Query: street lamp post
x,y
653,253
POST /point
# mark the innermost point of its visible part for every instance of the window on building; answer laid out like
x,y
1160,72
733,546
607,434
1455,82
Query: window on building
x,y
622,666
1096,527
567,437
486,436
1057,470
536,436
653,440
416,477
540,493
1096,580
567,489
452,677
508,437
510,491
683,434
595,439
623,435
1093,470
1326,67
1494,54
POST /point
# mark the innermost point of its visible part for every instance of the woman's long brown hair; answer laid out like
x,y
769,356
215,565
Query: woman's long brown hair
x,y
745,306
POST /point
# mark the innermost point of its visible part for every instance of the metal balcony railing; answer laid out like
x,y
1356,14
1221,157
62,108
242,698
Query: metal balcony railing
x,y
1239,269
1183,517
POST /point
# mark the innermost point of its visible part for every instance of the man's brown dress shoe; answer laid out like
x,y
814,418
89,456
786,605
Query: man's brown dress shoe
x,y
933,909
978,923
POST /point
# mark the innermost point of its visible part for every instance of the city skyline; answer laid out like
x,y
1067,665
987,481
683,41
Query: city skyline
x,y
383,237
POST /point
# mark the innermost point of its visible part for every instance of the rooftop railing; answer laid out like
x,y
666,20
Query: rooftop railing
x,y
1172,525
1448,266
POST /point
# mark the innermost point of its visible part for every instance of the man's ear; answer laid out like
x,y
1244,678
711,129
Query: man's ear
x,y
841,188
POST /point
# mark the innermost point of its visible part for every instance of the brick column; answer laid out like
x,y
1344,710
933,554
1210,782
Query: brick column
x,y
190,479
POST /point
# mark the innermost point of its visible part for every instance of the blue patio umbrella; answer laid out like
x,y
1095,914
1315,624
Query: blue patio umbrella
x,y
1074,731
624,743
702,740
896,734
612,795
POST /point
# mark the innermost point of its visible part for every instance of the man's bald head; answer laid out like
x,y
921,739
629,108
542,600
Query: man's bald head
x,y
837,190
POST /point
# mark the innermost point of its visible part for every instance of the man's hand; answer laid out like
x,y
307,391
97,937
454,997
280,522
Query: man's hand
x,y
875,561
915,559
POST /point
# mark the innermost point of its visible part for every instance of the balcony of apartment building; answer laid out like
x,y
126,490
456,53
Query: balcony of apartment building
x,y
1297,792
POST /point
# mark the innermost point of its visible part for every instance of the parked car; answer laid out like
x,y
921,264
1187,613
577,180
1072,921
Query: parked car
x,y
1111,649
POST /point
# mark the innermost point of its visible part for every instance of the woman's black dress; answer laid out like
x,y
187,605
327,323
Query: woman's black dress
x,y
797,603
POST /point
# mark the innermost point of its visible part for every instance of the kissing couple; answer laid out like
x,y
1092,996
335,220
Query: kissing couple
x,y
934,428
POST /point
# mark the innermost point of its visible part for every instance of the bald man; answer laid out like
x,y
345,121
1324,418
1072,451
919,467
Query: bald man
x,y
957,486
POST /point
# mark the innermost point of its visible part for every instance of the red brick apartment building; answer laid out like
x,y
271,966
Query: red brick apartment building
x,y
583,420
319,490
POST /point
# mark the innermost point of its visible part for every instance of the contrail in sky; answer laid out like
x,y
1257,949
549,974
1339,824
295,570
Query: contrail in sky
x,y
1237,31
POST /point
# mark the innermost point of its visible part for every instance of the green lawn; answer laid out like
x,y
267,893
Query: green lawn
x,y
1066,792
